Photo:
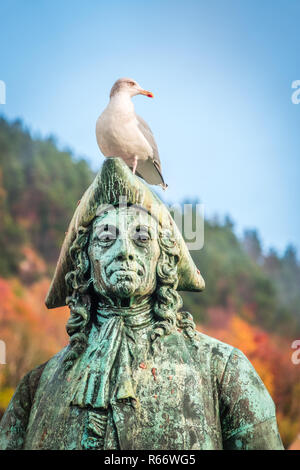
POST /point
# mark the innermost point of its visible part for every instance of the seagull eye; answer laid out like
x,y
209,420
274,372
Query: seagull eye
x,y
131,83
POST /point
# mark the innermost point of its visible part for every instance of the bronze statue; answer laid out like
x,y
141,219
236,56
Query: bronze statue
x,y
136,374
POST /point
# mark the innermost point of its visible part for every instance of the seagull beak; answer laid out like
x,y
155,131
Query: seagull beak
x,y
146,93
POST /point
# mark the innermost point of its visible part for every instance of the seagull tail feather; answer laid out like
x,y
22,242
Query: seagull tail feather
x,y
150,172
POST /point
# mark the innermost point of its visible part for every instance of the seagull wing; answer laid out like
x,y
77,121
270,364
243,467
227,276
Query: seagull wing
x,y
150,169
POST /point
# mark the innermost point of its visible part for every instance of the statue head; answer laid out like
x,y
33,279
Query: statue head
x,y
121,254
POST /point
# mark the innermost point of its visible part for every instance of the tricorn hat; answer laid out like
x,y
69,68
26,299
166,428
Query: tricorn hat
x,y
115,182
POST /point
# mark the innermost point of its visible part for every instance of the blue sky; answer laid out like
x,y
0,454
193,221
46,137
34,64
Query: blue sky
x,y
221,72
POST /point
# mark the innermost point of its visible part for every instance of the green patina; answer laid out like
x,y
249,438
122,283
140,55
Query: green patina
x,y
136,374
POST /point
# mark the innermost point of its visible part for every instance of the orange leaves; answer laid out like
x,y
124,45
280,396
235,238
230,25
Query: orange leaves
x,y
32,333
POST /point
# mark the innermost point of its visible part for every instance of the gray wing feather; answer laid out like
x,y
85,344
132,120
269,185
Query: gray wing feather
x,y
150,170
147,133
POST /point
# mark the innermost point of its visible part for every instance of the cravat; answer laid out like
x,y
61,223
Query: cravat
x,y
107,373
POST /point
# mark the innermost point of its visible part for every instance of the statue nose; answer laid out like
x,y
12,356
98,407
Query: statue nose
x,y
125,251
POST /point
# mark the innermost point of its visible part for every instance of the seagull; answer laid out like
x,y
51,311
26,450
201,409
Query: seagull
x,y
120,132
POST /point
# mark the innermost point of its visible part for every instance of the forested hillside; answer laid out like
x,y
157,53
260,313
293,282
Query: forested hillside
x,y
251,300
39,188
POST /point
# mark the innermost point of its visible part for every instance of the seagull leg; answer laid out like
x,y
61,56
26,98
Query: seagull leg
x,y
134,164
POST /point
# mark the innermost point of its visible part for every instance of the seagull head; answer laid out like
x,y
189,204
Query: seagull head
x,y
130,87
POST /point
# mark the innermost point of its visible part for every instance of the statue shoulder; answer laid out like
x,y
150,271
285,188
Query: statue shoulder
x,y
15,419
214,344
31,380
213,352
247,411
232,370
232,373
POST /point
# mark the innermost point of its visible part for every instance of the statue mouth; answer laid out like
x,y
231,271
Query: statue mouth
x,y
127,274
123,271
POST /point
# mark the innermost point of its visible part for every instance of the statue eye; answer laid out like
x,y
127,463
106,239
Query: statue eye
x,y
141,235
106,237
107,234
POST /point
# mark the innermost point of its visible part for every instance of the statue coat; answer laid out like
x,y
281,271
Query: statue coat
x,y
200,394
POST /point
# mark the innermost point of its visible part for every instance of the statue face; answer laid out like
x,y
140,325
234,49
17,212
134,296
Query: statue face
x,y
123,252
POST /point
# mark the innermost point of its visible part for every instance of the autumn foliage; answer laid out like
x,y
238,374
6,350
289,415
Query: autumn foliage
x,y
31,333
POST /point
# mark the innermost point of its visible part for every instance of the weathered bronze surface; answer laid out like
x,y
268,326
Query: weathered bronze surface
x,y
136,374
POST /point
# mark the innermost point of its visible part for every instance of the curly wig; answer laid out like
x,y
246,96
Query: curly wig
x,y
167,301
